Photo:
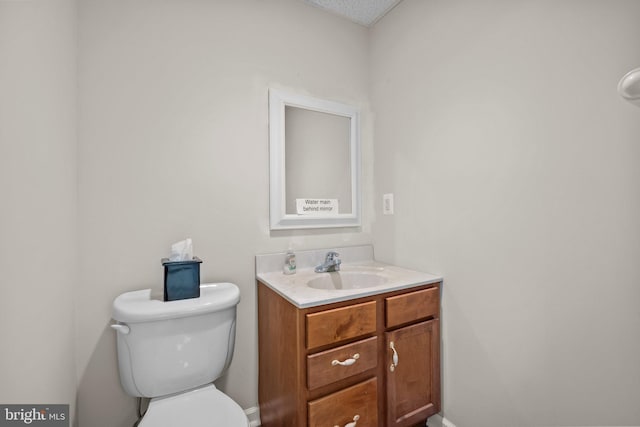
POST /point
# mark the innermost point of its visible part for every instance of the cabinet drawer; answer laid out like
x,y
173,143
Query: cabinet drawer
x,y
333,326
340,408
355,358
412,306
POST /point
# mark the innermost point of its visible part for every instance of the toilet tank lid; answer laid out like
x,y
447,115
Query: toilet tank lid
x,y
139,306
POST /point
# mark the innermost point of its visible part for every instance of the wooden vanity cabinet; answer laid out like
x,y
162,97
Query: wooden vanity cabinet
x,y
333,364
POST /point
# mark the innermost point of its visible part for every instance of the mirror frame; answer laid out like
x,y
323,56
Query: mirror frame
x,y
278,217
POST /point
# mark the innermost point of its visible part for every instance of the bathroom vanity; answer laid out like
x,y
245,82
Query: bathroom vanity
x,y
353,354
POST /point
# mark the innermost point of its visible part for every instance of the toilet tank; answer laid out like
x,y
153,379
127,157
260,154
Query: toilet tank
x,y
168,347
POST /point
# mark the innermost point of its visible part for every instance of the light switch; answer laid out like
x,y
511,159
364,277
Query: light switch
x,y
387,204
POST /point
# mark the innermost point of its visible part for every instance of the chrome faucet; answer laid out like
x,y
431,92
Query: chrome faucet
x,y
331,263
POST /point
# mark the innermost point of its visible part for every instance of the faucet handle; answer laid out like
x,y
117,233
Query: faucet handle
x,y
331,255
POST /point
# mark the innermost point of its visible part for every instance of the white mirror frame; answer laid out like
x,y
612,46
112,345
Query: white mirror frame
x,y
279,219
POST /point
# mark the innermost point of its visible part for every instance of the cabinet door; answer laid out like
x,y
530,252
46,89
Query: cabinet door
x,y
413,381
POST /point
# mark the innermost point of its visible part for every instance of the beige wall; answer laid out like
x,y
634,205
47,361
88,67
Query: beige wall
x,y
515,167
174,144
38,205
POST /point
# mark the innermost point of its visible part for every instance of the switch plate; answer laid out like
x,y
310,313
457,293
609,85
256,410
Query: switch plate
x,y
387,204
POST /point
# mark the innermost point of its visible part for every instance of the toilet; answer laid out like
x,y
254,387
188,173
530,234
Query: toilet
x,y
172,352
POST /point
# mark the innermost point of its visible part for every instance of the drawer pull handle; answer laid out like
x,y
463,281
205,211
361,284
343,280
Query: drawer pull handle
x,y
347,362
353,424
394,358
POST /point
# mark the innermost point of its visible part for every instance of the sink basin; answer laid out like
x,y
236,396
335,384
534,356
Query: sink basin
x,y
346,280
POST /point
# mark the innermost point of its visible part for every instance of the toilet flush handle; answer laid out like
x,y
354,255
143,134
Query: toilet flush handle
x,y
121,327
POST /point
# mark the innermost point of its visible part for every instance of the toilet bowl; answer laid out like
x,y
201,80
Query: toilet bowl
x,y
202,407
172,352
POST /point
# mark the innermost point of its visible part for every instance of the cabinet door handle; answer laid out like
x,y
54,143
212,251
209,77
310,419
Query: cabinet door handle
x,y
353,424
347,362
394,358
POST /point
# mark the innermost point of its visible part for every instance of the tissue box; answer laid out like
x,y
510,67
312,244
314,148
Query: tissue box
x,y
181,279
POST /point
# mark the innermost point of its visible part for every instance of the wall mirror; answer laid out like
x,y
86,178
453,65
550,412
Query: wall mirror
x,y
314,148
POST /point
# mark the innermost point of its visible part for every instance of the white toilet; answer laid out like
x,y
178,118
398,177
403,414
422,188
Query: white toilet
x,y
173,351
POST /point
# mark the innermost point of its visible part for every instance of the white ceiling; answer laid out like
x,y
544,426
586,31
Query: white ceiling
x,y
363,12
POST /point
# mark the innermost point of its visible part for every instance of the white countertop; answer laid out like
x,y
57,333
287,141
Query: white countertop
x,y
354,259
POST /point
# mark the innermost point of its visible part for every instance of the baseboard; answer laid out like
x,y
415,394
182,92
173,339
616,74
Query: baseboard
x,y
439,421
447,423
253,414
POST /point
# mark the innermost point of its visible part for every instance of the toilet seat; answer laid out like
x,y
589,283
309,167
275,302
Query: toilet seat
x,y
203,407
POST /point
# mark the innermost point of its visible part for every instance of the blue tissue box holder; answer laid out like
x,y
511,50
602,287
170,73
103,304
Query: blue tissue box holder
x,y
181,279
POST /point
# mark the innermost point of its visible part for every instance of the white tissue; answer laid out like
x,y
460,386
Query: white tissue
x,y
182,251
